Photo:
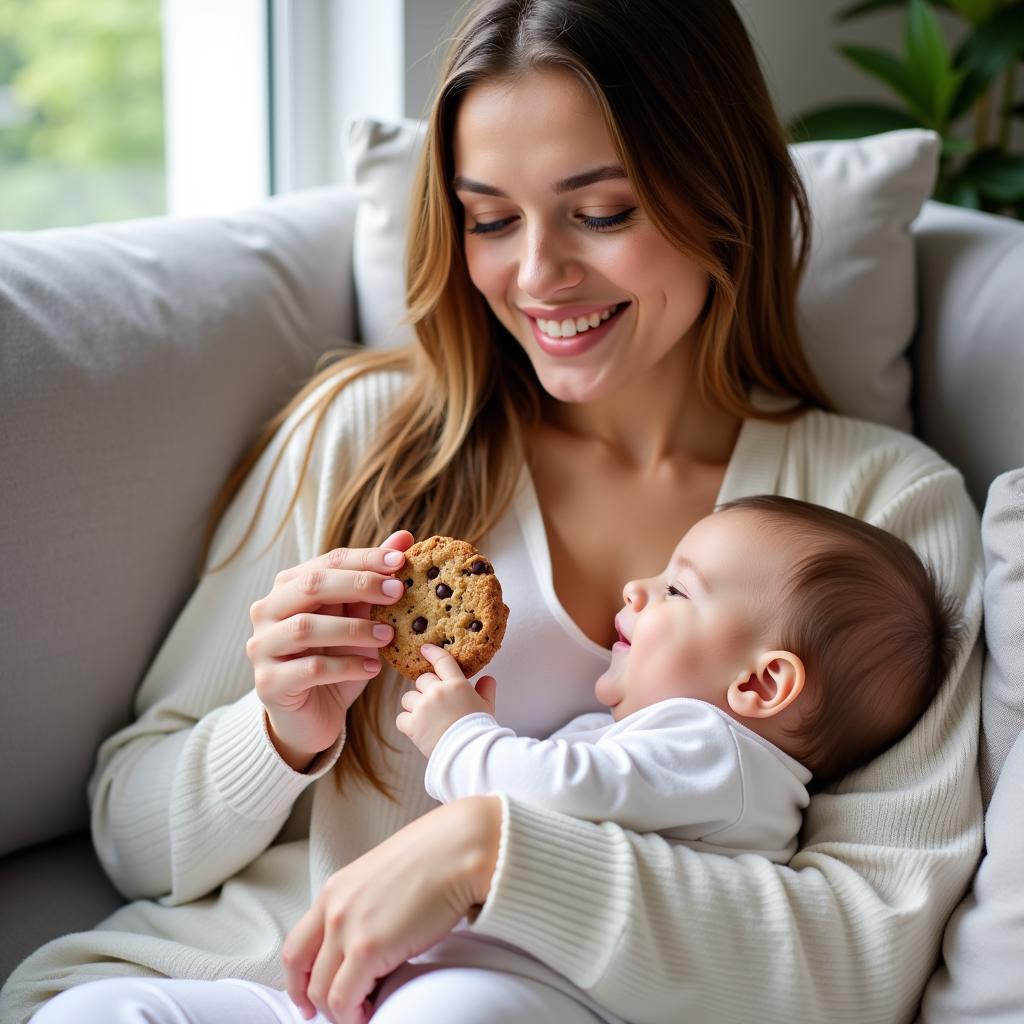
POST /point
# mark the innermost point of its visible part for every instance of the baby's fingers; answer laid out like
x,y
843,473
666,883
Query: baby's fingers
x,y
445,665
425,682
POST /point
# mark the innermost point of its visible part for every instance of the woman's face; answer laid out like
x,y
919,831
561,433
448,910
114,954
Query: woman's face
x,y
558,244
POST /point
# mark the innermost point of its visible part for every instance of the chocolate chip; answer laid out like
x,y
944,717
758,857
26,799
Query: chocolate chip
x,y
476,625
466,572
443,590
479,568
419,624
444,643
447,607
433,572
408,584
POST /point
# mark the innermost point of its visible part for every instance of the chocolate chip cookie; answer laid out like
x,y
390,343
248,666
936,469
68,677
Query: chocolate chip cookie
x,y
452,599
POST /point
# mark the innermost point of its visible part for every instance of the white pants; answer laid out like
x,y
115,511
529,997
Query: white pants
x,y
449,995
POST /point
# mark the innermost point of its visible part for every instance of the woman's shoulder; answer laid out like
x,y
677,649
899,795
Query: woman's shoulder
x,y
871,470
843,450
829,433
344,407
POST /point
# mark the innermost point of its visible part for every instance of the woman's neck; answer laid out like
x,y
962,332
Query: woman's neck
x,y
650,421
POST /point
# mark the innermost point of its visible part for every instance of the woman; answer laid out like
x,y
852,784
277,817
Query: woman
x,y
602,279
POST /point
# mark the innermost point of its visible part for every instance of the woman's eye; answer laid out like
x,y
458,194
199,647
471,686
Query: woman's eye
x,y
672,592
593,223
487,227
603,223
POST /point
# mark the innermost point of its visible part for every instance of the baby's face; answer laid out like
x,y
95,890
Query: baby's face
x,y
695,628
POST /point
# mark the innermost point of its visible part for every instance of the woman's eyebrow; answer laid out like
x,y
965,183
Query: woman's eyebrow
x,y
608,173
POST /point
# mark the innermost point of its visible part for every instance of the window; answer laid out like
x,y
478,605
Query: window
x,y
81,112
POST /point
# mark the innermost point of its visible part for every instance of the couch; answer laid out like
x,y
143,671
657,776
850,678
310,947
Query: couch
x,y
138,360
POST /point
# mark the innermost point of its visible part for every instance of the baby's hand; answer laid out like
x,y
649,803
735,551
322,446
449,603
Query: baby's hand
x,y
441,697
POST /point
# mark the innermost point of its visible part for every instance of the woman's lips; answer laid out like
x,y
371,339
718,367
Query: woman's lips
x,y
568,347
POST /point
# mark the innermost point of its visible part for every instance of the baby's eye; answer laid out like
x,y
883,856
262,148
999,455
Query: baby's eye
x,y
672,592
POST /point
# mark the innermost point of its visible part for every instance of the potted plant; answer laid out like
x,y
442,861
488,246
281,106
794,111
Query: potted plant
x,y
936,88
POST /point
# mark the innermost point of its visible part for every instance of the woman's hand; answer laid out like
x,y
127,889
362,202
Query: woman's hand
x,y
440,699
389,905
314,648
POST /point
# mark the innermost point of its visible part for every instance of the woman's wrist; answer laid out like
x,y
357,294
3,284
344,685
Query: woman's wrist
x,y
298,760
484,820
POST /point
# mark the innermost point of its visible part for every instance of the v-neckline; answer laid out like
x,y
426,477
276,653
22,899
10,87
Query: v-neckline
x,y
753,468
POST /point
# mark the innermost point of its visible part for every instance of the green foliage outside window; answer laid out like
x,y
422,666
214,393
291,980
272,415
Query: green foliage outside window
x,y
81,111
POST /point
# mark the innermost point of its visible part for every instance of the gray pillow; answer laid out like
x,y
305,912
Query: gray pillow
x,y
980,979
1002,683
137,361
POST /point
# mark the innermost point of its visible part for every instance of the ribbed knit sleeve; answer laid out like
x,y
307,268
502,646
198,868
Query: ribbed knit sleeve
x,y
850,930
194,790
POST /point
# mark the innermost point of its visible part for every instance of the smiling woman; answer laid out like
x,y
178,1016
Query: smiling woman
x,y
576,460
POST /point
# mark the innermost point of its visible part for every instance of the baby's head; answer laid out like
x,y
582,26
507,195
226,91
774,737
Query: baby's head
x,y
822,633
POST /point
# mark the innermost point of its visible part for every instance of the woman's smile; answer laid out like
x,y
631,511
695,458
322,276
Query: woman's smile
x,y
574,336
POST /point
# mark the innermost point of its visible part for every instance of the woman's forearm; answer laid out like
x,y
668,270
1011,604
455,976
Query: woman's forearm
x,y
177,814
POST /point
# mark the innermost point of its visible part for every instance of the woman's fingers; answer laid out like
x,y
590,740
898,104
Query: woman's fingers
x,y
354,981
307,630
298,955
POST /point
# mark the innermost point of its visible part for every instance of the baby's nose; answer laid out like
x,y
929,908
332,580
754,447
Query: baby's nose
x,y
634,595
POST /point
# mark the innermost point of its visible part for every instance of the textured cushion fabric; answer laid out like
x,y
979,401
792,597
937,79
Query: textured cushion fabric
x,y
857,302
969,352
980,980
50,890
137,361
1002,685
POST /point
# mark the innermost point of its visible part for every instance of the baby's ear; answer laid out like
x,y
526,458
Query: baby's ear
x,y
777,679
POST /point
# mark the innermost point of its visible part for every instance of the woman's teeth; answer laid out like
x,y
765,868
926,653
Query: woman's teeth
x,y
577,325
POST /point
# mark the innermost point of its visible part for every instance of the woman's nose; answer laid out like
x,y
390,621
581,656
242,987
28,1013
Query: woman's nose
x,y
635,595
547,265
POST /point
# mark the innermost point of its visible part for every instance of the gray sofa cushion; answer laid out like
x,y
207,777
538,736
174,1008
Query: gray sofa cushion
x,y
50,890
1002,684
968,356
137,361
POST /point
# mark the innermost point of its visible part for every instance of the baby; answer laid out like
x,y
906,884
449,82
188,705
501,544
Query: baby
x,y
783,643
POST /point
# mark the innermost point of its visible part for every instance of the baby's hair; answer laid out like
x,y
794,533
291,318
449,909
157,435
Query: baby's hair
x,y
876,633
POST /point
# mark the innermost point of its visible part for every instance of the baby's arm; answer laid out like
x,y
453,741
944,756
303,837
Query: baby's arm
x,y
682,770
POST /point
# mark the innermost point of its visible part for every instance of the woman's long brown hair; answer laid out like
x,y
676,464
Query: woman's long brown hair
x,y
690,114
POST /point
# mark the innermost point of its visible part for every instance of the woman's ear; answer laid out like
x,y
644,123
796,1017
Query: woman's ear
x,y
777,680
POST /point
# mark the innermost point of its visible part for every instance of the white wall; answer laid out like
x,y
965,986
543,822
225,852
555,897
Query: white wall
x,y
795,40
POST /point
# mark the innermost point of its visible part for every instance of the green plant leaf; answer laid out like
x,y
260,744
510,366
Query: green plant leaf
x,y
850,121
928,60
971,88
894,73
991,47
953,146
870,6
996,175
976,11
958,192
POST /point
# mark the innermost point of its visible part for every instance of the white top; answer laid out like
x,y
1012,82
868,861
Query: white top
x,y
193,807
681,767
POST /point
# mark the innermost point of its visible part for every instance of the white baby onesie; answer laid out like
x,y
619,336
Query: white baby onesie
x,y
681,767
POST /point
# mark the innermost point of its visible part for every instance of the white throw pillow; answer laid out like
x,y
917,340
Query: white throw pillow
x,y
857,302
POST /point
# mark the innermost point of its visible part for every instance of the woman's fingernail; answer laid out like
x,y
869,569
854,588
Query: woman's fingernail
x,y
393,588
370,665
382,632
394,558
